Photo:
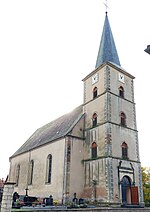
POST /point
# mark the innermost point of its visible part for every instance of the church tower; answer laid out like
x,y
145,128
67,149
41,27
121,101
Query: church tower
x,y
111,150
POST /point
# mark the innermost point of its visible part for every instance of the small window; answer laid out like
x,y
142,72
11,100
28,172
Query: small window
x,y
17,174
121,91
124,150
123,119
94,119
94,150
49,169
94,92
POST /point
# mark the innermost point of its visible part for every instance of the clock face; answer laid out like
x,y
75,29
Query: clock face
x,y
94,78
121,77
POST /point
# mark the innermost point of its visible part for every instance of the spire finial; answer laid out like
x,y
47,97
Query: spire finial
x,y
106,6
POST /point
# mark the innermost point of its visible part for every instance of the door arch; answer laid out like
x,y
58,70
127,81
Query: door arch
x,y
126,190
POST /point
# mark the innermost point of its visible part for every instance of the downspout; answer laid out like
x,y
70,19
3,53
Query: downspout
x,y
64,174
28,172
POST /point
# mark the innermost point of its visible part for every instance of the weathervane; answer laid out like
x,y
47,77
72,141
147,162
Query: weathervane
x,y
106,5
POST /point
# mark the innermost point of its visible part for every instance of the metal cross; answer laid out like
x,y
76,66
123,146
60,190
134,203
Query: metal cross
x,y
26,191
106,5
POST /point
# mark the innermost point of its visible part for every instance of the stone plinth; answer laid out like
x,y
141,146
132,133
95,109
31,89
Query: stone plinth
x,y
7,197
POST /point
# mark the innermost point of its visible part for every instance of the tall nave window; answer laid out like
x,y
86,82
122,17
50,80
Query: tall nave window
x,y
17,174
31,165
49,169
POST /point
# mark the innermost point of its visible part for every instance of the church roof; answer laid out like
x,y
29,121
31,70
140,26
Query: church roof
x,y
107,50
52,131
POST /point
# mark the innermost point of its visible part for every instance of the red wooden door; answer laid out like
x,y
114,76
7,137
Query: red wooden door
x,y
134,195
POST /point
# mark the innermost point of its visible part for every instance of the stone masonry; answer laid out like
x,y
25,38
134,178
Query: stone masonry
x,y
7,197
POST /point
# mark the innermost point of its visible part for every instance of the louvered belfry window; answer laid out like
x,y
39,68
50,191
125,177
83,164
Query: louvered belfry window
x,y
94,150
123,119
121,91
124,150
94,119
94,92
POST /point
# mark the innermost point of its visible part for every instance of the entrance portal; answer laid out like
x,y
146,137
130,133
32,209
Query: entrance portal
x,y
129,193
126,190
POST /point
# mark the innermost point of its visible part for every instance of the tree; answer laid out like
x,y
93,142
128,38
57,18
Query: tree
x,y
146,184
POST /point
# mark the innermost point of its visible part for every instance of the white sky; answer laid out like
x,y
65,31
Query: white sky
x,y
47,47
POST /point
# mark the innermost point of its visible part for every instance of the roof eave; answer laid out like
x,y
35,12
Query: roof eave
x,y
119,68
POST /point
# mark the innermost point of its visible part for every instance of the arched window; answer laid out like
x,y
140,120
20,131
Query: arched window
x,y
94,92
124,150
31,165
17,174
94,150
94,119
123,119
49,169
121,91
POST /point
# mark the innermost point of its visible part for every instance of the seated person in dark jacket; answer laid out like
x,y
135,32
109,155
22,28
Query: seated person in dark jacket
x,y
75,199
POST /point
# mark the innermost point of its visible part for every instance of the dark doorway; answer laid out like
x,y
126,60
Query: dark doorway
x,y
126,190
129,192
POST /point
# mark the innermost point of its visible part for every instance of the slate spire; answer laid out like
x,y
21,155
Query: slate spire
x,y
107,50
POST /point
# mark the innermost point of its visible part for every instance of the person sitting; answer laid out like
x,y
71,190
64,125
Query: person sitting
x,y
51,200
75,199
15,199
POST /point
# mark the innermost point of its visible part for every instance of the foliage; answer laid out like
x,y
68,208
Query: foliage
x,y
55,202
146,184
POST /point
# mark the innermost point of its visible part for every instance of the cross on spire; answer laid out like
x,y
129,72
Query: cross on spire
x,y
106,5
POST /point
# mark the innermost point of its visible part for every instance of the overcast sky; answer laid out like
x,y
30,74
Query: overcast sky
x,y
46,49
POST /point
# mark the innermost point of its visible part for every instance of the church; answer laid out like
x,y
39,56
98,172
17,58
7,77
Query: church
x,y
92,151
